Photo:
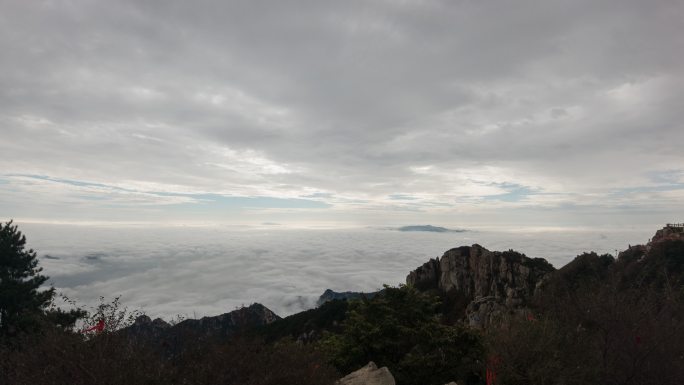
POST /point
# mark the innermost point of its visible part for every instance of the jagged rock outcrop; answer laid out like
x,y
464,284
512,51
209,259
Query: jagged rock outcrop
x,y
492,282
368,375
659,263
669,232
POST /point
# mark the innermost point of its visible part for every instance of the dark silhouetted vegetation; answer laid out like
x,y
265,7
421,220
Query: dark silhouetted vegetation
x,y
601,321
59,358
401,329
309,322
24,308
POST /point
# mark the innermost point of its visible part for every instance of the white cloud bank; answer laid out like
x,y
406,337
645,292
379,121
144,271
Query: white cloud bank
x,y
210,270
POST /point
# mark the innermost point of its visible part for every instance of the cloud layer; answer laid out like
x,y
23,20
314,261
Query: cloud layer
x,y
200,271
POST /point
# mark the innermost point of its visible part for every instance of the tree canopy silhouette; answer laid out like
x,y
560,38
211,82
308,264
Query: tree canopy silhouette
x,y
23,306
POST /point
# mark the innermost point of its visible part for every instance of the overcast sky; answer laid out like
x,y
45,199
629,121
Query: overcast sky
x,y
455,113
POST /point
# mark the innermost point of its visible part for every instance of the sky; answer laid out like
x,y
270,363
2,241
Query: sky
x,y
342,113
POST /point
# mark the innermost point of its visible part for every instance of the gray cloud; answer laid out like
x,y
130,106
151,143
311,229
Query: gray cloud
x,y
357,102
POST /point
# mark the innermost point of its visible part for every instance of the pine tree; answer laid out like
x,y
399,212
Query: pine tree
x,y
22,304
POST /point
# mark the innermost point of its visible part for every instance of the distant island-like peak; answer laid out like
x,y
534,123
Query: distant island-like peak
x,y
429,228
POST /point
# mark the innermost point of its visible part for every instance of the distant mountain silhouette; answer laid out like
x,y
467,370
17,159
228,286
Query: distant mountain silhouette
x,y
173,338
330,295
430,228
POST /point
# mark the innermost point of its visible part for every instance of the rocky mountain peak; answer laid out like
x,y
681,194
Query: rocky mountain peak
x,y
671,231
492,281
478,272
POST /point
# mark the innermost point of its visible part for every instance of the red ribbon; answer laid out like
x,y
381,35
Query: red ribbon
x,y
492,363
97,328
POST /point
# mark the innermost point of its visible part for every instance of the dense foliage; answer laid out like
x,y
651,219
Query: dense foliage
x,y
601,321
401,329
24,307
21,303
56,358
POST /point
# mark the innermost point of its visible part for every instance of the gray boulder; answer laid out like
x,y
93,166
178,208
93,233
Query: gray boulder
x,y
368,375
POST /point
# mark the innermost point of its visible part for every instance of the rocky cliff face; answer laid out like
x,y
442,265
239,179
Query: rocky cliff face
x,y
493,282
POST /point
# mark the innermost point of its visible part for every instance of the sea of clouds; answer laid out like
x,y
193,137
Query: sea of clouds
x,y
203,271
